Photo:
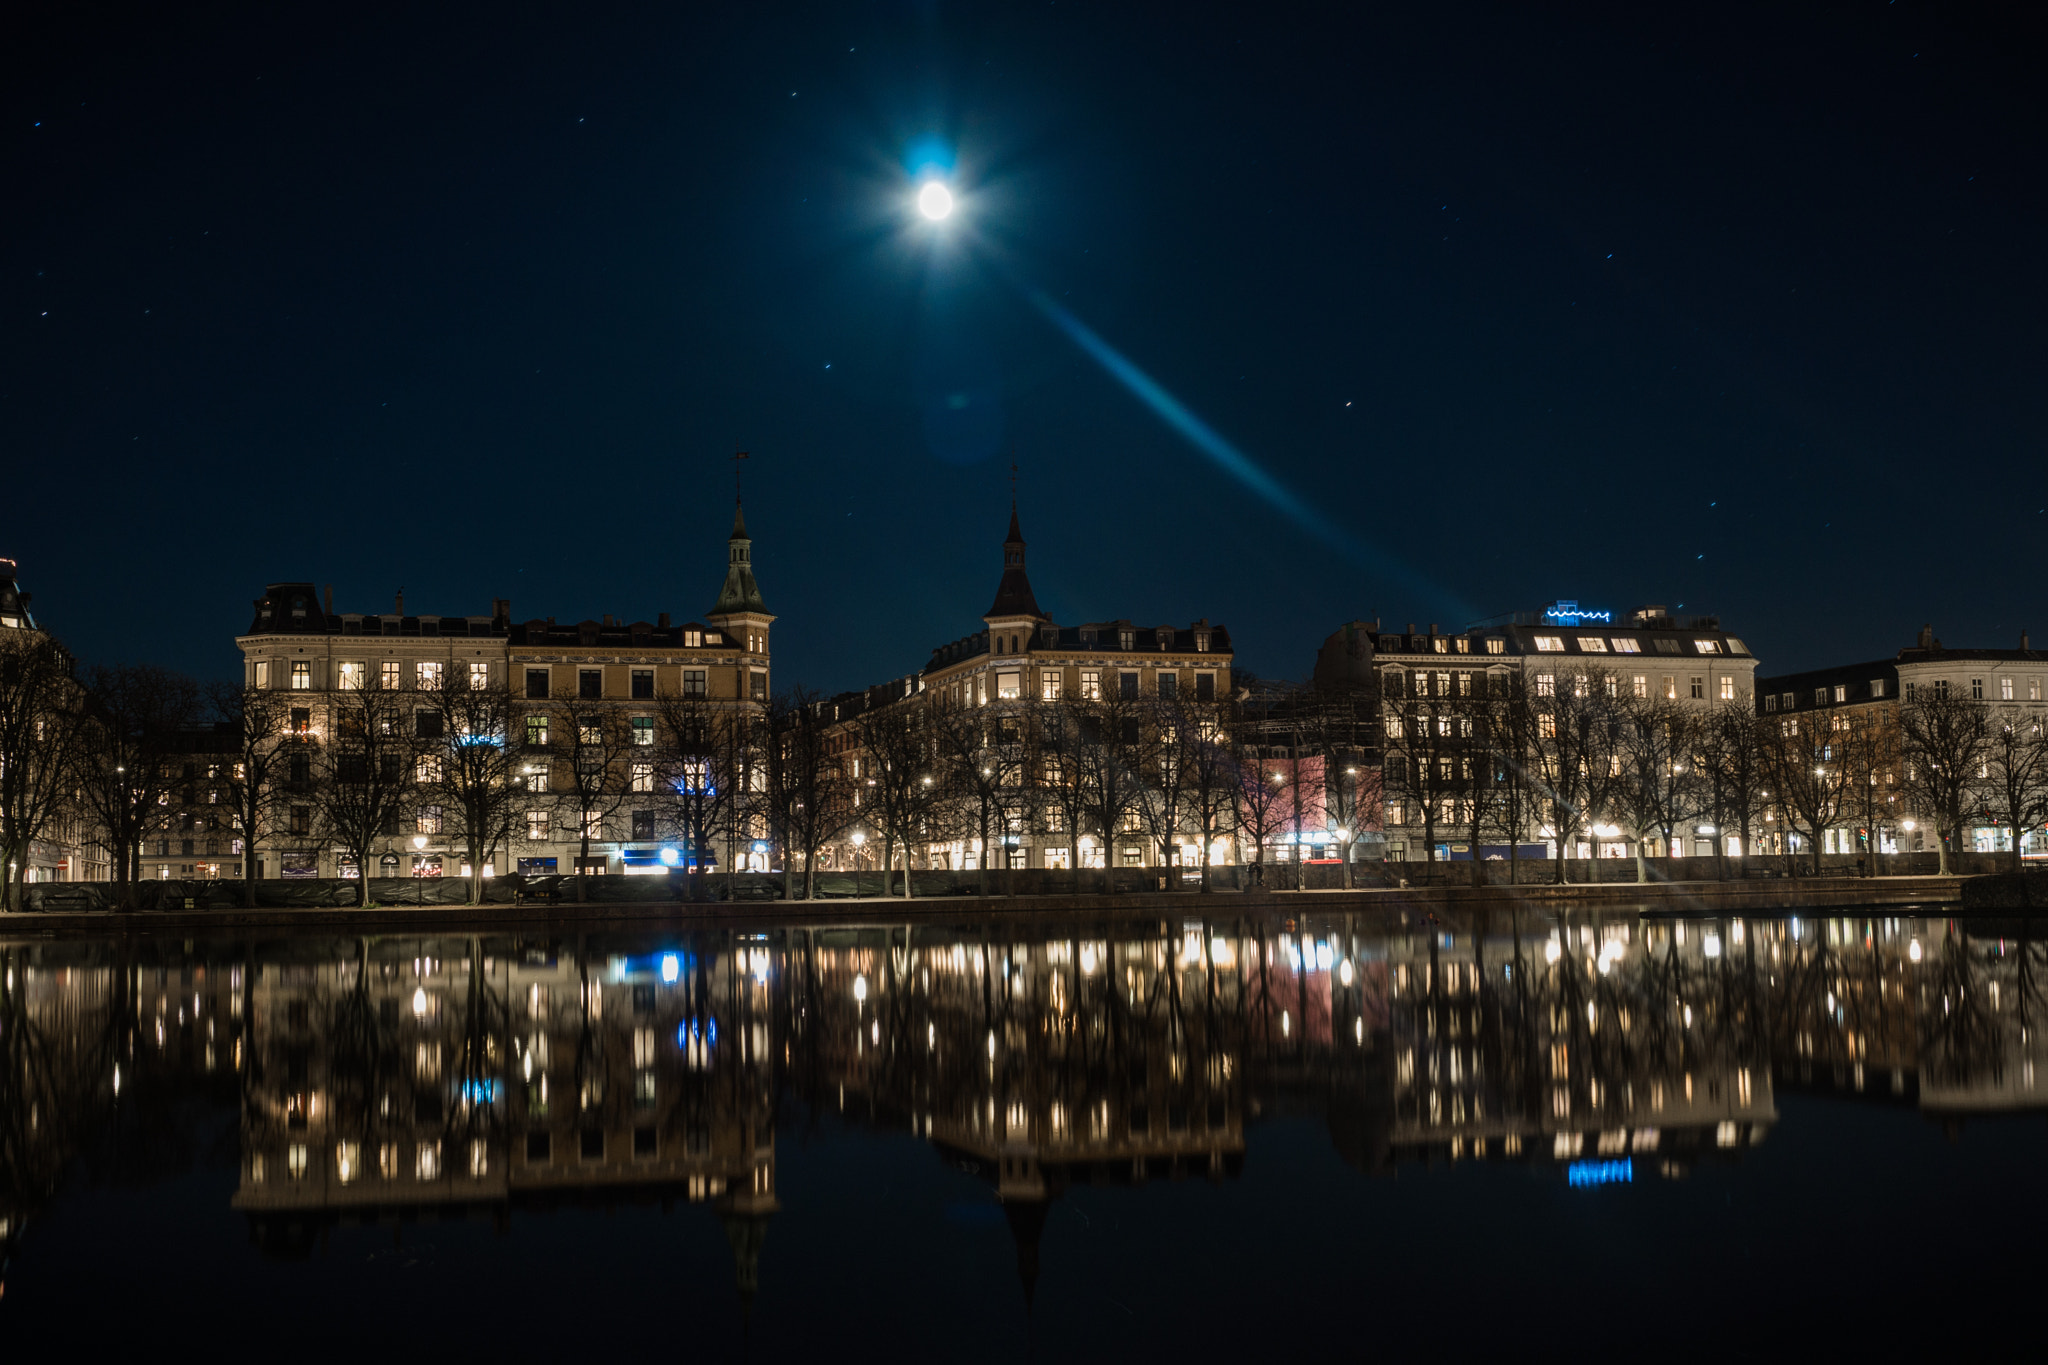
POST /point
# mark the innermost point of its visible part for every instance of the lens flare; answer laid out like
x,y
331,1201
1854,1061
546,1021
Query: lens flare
x,y
934,201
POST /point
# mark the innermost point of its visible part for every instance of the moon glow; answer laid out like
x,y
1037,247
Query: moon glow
x,y
935,201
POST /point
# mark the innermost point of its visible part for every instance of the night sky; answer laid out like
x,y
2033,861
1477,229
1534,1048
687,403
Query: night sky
x,y
1287,315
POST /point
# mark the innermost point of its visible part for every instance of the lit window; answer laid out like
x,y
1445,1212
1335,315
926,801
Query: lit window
x,y
1707,646
349,675
1049,685
302,677
1550,644
1626,644
1091,685
1126,639
1546,684
1464,645
2005,689
643,781
295,1160
537,778
262,673
429,676
1727,688
1592,644
2033,689
1443,645
1670,689
1641,685
1496,645
387,675
537,732
1771,701
537,825
427,1164
1009,686
430,820
643,730
693,639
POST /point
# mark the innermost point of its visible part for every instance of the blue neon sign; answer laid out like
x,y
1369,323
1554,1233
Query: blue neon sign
x,y
1583,1174
1569,613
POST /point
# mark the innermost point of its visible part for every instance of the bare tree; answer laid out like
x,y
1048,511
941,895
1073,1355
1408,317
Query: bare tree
x,y
42,715
138,733
1734,774
1209,775
1428,750
807,791
1576,742
700,778
1169,747
1063,802
1870,751
1945,740
252,723
1260,803
1657,789
2014,787
980,751
1810,776
478,789
363,781
1109,768
1510,802
898,785
604,766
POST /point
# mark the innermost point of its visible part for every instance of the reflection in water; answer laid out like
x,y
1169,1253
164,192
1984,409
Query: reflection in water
x,y
380,1079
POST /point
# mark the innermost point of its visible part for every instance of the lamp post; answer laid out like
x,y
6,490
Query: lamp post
x,y
419,893
859,838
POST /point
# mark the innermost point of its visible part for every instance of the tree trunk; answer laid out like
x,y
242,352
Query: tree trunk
x,y
1642,869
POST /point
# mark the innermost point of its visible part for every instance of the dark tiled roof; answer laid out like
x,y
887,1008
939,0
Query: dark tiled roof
x,y
1102,635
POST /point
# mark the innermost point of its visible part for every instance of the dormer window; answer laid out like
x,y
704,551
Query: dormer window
x,y
1201,642
1127,639
693,639
1166,639
298,608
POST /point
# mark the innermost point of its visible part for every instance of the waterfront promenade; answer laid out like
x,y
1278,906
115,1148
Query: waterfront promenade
x,y
1708,898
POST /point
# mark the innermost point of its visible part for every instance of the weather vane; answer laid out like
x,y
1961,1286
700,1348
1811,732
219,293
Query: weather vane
x,y
1013,481
737,456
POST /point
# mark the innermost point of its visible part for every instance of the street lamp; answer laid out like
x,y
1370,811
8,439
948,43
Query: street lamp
x,y
859,838
419,893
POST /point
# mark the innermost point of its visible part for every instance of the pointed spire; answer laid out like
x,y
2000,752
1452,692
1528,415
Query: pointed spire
x,y
740,592
1013,595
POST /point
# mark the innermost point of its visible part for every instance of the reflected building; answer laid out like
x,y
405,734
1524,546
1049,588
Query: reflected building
x,y
388,1080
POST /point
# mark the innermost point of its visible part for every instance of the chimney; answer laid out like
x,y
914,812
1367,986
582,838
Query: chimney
x,y
328,601
1927,637
1432,627
399,609
2023,642
1411,627
501,607
662,620
607,618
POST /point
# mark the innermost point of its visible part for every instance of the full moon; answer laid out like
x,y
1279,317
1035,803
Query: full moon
x,y
935,201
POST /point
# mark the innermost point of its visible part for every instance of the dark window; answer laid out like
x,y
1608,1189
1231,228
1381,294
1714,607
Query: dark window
x,y
643,682
536,682
643,999
759,686
593,1144
1169,686
644,1142
299,770
590,682
185,847
1131,731
539,1146
302,720
302,821
693,682
427,724
1205,687
643,824
394,825
1127,686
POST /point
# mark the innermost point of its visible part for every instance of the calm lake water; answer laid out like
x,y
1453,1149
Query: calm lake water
x,y
1011,1140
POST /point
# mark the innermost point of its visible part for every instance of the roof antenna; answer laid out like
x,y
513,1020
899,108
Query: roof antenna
x,y
737,456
